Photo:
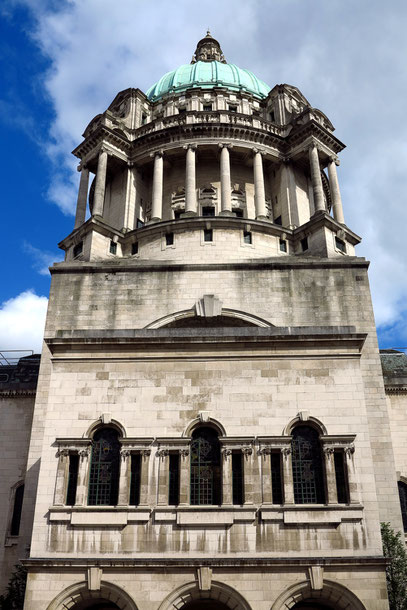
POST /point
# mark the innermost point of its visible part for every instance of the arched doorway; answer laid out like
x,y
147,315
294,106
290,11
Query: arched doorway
x,y
205,604
97,605
311,605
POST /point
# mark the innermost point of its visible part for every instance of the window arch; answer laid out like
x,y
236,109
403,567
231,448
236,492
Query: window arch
x,y
308,477
104,468
205,467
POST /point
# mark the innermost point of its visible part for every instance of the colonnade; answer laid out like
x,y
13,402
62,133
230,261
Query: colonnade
x,y
191,203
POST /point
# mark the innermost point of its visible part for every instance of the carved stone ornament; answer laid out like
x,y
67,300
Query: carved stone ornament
x,y
184,453
84,453
162,453
247,450
316,576
125,453
349,450
64,452
145,452
265,451
226,452
328,451
208,306
286,451
94,578
204,578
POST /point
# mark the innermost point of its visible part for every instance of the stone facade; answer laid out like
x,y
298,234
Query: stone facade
x,y
211,425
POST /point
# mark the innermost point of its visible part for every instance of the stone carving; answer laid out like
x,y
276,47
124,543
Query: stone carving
x,y
328,451
145,452
316,576
265,451
226,452
162,453
247,450
286,451
64,452
349,450
94,578
84,453
125,453
184,453
204,578
208,306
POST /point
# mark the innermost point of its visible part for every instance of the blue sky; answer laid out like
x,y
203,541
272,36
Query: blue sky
x,y
62,62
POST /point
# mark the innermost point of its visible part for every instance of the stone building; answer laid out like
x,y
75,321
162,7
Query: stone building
x,y
211,427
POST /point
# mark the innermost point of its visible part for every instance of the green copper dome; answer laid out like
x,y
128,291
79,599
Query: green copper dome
x,y
207,75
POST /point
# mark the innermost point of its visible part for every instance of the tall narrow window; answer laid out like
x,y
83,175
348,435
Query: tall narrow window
x,y
276,479
403,503
307,466
104,468
341,478
72,479
205,467
237,478
173,491
17,508
135,478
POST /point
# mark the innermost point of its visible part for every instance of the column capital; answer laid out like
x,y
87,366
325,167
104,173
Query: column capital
x,y
223,145
157,153
82,166
349,451
335,159
258,151
190,147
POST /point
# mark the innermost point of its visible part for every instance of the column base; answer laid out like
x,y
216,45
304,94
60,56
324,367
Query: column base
x,y
264,219
153,220
227,213
318,213
189,214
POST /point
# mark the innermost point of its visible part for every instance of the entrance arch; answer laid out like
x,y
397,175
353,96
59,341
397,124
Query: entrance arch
x,y
189,597
78,597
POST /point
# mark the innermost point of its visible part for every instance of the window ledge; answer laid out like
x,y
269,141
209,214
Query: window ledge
x,y
313,514
89,516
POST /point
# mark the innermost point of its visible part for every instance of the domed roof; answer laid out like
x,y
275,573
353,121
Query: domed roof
x,y
208,75
208,69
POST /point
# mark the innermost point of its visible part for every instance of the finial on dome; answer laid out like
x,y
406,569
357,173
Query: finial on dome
x,y
208,49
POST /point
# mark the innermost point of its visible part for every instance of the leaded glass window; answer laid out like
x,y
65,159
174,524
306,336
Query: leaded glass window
x,y
403,503
205,467
104,468
307,466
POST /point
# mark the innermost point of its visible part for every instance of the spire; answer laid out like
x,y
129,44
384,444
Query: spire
x,y
208,49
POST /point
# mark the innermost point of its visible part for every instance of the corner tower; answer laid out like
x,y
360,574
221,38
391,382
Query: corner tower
x,y
210,425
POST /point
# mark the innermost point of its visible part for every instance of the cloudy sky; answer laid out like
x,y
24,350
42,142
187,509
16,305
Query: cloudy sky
x,y
63,61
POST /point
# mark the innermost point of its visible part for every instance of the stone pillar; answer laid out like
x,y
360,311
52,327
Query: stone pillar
x,y
62,477
144,487
124,479
82,198
251,477
288,476
157,196
316,180
130,201
83,474
163,476
225,186
352,481
330,476
100,186
259,193
190,181
335,192
227,477
184,478
267,494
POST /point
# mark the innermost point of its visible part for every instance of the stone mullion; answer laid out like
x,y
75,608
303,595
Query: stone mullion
x,y
267,495
62,477
124,479
351,472
144,486
288,482
227,477
330,475
100,185
163,456
83,477
251,477
184,477
82,198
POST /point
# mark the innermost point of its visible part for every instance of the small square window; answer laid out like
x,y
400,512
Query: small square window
x,y
143,119
208,210
177,214
139,223
283,245
182,110
134,247
304,244
78,249
232,108
238,212
247,237
278,221
207,107
169,239
208,235
272,116
113,247
340,245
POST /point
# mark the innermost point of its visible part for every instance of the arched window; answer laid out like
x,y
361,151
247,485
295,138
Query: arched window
x,y
308,476
403,503
205,467
17,508
104,468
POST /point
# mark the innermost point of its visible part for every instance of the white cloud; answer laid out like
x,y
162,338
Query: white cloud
x,y
41,260
22,321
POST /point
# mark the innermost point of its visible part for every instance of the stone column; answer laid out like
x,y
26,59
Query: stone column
x,y
130,201
82,198
144,487
259,193
352,481
225,187
337,208
227,477
62,477
251,477
163,476
190,181
83,475
265,453
157,196
124,479
316,180
184,482
100,186
288,476
330,476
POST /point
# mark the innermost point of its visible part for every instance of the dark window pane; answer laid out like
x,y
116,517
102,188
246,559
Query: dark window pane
x,y
340,245
307,466
207,107
17,508
283,245
139,223
135,477
208,210
247,237
169,239
232,108
113,247
341,478
134,247
72,480
238,212
177,214
104,468
403,503
276,479
304,244
208,235
237,478
205,467
278,221
173,492
78,249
